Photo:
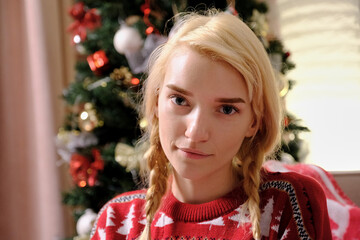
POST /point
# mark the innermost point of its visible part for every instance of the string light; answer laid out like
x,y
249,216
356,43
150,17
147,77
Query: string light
x,y
135,81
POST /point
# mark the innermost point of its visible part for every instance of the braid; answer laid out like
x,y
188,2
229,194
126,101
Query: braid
x,y
157,164
250,170
251,187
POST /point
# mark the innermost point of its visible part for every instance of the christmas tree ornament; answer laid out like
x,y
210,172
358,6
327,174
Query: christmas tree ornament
x,y
85,223
98,62
77,11
79,165
96,166
129,157
88,119
61,141
81,140
84,19
68,141
92,19
84,169
138,60
127,40
122,75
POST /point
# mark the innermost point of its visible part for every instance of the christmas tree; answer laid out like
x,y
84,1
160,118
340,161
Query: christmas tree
x,y
113,40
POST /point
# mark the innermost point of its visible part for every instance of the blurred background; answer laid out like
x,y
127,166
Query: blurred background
x,y
68,95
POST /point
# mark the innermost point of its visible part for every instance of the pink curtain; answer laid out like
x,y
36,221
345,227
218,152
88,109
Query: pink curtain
x,y
30,201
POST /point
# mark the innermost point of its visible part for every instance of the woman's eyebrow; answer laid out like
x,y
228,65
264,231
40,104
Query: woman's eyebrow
x,y
230,100
178,89
221,100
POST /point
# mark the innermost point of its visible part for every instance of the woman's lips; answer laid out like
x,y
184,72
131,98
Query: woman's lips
x,y
193,153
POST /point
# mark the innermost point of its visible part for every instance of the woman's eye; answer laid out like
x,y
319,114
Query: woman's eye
x,y
228,110
178,100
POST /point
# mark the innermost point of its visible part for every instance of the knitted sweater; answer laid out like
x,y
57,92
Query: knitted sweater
x,y
292,207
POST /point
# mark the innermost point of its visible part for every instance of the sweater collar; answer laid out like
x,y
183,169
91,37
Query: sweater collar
x,y
186,212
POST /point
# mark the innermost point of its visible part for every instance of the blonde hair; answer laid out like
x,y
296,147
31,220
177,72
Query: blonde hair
x,y
224,37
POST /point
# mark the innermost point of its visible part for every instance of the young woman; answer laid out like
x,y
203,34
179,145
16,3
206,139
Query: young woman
x,y
213,111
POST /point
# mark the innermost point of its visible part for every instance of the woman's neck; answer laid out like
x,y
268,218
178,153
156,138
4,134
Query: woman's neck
x,y
205,189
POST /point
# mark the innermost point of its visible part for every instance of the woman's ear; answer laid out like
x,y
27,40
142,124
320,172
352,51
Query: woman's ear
x,y
253,127
156,111
157,107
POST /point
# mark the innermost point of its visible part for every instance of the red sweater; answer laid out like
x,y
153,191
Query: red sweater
x,y
292,207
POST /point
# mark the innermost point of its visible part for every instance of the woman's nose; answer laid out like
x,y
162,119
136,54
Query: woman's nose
x,y
197,129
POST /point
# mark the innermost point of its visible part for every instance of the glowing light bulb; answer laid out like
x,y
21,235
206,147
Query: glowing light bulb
x,y
77,39
84,115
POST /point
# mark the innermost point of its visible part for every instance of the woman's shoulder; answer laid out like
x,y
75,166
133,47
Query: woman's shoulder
x,y
128,204
296,189
124,200
301,197
289,182
129,196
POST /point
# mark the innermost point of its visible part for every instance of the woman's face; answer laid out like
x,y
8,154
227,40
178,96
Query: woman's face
x,y
204,115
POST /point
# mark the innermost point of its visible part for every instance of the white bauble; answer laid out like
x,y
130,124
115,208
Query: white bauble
x,y
127,40
85,222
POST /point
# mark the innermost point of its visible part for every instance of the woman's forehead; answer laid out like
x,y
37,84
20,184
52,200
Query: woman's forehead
x,y
195,72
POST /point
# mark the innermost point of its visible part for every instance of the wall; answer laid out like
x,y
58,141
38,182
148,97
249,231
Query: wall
x,y
350,184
